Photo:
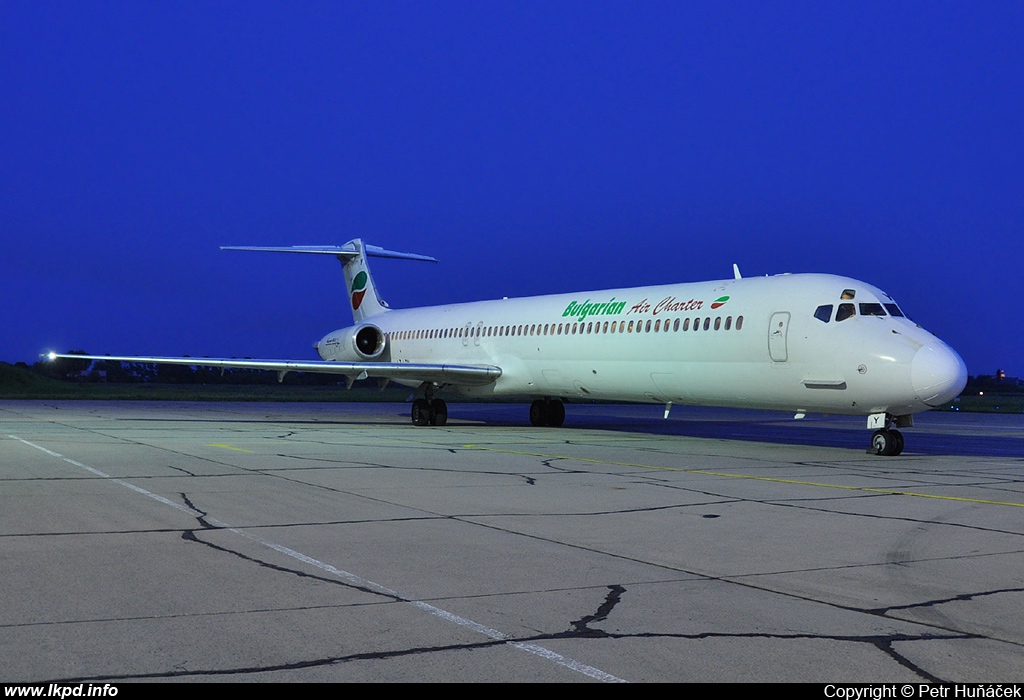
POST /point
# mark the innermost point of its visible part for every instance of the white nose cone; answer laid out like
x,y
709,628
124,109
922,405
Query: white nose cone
x,y
937,374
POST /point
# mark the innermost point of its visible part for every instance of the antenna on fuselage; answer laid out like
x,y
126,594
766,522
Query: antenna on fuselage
x,y
736,271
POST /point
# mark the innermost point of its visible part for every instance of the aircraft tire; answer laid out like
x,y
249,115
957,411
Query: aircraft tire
x,y
539,413
556,413
887,443
898,436
438,412
420,412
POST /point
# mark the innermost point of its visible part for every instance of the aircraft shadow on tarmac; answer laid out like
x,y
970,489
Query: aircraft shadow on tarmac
x,y
757,426
715,424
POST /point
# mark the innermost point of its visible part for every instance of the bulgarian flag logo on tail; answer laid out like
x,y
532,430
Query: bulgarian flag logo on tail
x,y
720,301
358,289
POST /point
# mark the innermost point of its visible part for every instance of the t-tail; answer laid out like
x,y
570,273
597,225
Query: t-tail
x,y
362,293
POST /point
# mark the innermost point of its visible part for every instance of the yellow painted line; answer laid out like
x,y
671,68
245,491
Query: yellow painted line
x,y
704,472
228,447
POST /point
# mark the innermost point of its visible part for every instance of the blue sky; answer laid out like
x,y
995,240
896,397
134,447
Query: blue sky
x,y
531,147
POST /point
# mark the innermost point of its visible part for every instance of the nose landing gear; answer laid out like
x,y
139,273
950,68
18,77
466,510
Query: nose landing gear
x,y
888,443
886,440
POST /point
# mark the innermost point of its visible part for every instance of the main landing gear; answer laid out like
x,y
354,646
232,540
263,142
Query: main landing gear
x,y
547,412
429,412
888,443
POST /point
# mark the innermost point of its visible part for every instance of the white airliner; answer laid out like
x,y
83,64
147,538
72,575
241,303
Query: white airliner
x,y
801,343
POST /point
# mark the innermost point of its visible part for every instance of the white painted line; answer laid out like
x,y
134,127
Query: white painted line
x,y
489,632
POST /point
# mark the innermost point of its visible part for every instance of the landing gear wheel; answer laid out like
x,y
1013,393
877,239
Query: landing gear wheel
x,y
888,443
547,412
556,413
538,413
899,442
420,412
438,412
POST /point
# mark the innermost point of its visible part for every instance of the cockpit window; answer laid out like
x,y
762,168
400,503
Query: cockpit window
x,y
871,309
823,313
894,310
848,294
845,311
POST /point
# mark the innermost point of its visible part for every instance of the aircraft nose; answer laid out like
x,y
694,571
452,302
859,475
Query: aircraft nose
x,y
937,374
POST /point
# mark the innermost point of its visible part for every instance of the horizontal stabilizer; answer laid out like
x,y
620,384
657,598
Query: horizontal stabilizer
x,y
345,252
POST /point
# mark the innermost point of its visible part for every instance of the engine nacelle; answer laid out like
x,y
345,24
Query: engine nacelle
x,y
356,344
369,342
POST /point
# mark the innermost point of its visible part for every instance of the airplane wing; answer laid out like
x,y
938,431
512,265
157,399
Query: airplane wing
x,y
399,371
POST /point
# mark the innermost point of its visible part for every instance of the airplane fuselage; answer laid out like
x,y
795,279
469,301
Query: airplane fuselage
x,y
750,343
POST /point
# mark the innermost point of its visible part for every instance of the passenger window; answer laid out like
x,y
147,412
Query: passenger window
x,y
657,325
675,326
707,323
739,323
686,324
844,312
647,329
718,322
823,313
696,324
871,309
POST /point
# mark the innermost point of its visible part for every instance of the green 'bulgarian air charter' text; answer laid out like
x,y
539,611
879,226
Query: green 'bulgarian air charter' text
x,y
582,311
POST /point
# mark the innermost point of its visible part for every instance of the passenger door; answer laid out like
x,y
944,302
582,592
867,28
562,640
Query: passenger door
x,y
777,330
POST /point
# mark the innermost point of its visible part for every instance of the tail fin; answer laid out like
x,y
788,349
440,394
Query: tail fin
x,y
362,293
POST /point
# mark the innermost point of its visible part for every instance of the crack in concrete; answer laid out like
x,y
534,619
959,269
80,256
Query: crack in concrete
x,y
295,665
942,601
190,536
580,628
550,465
881,642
